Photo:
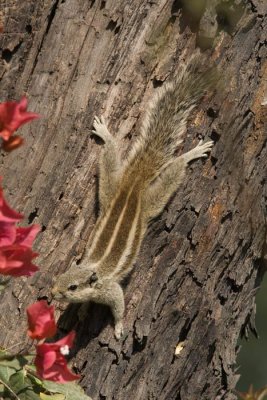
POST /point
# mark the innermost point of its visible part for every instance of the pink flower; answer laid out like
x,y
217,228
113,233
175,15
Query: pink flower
x,y
7,233
16,254
26,236
16,260
10,234
50,361
6,213
41,320
12,115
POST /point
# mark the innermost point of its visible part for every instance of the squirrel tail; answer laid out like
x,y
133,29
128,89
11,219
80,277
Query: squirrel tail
x,y
165,120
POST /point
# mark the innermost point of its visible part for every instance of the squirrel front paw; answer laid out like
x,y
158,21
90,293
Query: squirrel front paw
x,y
203,148
100,129
119,332
200,151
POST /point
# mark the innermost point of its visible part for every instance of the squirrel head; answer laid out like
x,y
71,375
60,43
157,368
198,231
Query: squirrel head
x,y
76,284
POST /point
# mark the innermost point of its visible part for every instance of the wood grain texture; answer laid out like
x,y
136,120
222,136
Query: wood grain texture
x,y
204,257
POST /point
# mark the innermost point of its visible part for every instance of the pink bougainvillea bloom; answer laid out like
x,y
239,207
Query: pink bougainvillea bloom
x,y
10,234
7,233
41,320
13,114
50,361
16,260
6,213
16,254
26,235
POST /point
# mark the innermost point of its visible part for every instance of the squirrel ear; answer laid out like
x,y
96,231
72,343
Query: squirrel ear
x,y
93,278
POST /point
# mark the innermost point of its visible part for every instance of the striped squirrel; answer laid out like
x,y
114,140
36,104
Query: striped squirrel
x,y
135,190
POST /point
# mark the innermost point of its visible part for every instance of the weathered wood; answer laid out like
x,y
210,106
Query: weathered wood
x,y
195,279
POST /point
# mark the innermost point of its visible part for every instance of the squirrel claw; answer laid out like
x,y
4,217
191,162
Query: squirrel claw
x,y
102,120
100,128
119,330
96,120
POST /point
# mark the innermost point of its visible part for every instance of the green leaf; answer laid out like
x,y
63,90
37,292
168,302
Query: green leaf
x,y
36,381
29,395
22,386
5,373
3,352
17,382
12,362
71,390
57,396
2,389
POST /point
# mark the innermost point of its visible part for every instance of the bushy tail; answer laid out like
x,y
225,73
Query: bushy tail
x,y
165,120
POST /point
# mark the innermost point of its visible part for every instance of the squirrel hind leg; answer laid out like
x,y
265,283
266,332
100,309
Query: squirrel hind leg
x,y
200,151
158,194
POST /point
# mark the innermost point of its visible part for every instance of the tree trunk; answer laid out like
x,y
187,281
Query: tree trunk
x,y
195,280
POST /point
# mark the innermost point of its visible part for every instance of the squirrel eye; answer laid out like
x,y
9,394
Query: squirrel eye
x,y
72,287
93,278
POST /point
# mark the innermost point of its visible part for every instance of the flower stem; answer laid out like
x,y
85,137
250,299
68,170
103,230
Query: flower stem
x,y
9,389
31,371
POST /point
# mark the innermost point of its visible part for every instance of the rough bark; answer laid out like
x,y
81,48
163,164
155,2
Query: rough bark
x,y
202,260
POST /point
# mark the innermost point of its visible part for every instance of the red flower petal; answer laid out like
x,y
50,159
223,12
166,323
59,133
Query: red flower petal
x,y
66,340
16,254
25,236
41,320
3,262
46,356
12,115
51,364
7,233
6,213
16,260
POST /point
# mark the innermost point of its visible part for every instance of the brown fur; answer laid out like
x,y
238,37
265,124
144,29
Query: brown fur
x,y
134,191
